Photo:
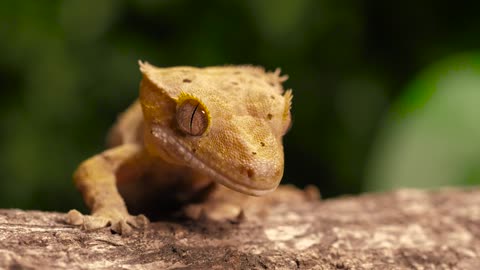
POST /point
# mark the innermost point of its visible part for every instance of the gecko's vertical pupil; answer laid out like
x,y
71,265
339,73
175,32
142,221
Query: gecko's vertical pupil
x,y
192,118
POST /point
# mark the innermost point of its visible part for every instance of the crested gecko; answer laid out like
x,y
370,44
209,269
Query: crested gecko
x,y
189,128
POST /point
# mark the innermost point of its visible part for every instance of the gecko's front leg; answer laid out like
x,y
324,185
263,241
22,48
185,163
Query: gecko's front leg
x,y
96,178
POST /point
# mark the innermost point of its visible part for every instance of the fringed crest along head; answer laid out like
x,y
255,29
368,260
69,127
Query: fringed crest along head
x,y
288,96
226,121
142,65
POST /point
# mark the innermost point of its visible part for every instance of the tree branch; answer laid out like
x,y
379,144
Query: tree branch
x,y
407,229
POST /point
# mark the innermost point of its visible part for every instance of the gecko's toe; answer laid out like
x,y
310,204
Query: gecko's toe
x,y
241,217
74,217
138,222
93,223
121,227
118,222
126,225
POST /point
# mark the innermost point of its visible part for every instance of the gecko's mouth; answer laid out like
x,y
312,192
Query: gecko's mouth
x,y
240,183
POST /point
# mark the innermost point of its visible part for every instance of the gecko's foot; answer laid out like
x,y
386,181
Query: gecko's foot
x,y
118,221
222,204
215,212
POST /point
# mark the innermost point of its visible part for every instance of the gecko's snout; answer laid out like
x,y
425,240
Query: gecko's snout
x,y
258,177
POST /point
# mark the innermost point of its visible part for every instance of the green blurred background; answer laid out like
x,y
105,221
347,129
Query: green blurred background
x,y
386,94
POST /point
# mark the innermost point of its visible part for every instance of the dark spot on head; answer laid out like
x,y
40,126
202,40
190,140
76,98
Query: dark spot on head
x,y
236,72
272,97
269,116
262,143
271,84
235,83
250,173
187,80
254,153
194,150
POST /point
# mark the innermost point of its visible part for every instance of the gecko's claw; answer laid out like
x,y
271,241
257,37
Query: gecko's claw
x,y
119,222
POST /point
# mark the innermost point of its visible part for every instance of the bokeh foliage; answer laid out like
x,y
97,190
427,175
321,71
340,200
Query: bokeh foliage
x,y
68,67
431,138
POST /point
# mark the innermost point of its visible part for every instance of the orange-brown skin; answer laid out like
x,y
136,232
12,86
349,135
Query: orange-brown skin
x,y
190,126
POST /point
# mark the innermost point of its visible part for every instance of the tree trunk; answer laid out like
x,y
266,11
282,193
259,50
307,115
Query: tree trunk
x,y
406,229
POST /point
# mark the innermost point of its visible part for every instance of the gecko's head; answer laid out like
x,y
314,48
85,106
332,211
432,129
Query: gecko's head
x,y
226,122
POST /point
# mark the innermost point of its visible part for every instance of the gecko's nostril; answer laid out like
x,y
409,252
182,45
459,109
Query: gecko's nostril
x,y
250,173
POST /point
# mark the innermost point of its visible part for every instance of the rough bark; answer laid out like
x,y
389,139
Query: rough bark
x,y
406,229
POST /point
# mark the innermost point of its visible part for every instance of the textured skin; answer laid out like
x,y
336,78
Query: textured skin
x,y
150,157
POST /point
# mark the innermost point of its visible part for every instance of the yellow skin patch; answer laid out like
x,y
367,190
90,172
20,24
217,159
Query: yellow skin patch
x,y
221,124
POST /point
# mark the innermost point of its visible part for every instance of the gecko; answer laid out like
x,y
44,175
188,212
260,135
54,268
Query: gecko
x,y
190,128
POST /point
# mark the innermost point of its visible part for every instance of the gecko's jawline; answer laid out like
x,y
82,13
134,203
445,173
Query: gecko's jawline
x,y
168,141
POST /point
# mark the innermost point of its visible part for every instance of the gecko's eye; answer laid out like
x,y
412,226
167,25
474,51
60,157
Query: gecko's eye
x,y
192,117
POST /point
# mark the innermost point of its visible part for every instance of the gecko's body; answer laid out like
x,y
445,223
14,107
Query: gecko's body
x,y
190,126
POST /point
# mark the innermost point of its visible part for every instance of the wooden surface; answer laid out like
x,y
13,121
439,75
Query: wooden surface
x,y
407,229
